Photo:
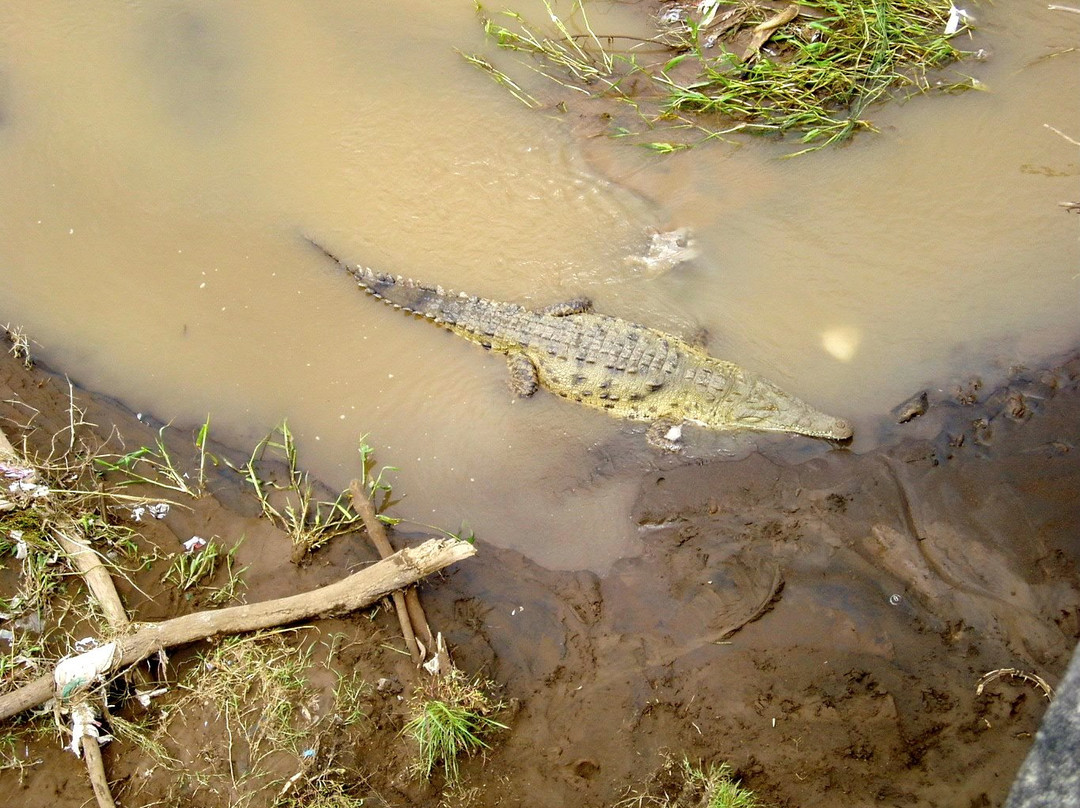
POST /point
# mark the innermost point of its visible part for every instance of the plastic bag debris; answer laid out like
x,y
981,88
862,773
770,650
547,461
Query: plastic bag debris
x,y
195,544
158,510
958,18
75,673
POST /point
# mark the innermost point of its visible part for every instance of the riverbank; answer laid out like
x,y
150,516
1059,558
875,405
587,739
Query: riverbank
x,y
820,627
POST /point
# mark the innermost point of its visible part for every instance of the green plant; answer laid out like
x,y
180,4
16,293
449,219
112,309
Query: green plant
x,y
824,64
292,504
450,718
375,484
580,63
258,684
349,695
684,784
189,570
158,468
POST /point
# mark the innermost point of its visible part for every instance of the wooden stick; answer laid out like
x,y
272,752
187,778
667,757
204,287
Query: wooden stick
x,y
97,578
415,622
104,590
363,505
96,767
356,591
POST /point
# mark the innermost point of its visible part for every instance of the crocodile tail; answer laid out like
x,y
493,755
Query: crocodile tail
x,y
399,292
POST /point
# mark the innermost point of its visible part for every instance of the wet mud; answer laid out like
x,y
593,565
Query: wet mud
x,y
821,626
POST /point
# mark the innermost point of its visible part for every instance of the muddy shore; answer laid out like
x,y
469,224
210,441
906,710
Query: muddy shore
x,y
822,627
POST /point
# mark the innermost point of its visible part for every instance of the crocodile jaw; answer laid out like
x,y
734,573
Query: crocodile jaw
x,y
796,417
763,406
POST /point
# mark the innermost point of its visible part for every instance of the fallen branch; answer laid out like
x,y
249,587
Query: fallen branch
x,y
96,767
104,590
96,576
363,505
357,591
414,622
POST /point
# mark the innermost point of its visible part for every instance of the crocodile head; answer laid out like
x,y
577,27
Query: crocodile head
x,y
765,407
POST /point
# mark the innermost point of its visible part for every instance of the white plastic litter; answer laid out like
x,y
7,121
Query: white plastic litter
x,y
158,510
77,672
83,724
144,696
86,644
958,18
21,550
194,544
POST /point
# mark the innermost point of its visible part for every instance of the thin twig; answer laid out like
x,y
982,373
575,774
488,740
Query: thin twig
x,y
1062,134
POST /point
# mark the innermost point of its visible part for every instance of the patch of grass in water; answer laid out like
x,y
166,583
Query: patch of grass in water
x,y
730,65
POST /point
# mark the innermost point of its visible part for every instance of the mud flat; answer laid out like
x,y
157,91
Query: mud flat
x,y
823,627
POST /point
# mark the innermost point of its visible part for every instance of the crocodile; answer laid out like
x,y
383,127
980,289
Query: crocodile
x,y
628,370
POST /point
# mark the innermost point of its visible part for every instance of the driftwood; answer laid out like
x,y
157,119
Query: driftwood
x,y
104,591
95,574
363,505
414,623
96,767
357,591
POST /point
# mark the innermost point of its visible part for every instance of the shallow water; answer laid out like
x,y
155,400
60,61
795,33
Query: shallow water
x,y
159,164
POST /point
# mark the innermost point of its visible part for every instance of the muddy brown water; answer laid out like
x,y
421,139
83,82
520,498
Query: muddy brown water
x,y
160,162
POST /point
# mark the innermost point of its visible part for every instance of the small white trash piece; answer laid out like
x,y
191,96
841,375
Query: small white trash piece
x,y
958,18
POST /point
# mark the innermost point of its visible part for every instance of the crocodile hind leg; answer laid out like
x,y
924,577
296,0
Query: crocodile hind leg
x,y
577,305
665,434
523,379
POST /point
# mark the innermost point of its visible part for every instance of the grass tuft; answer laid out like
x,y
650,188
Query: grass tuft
x,y
157,467
290,502
811,70
451,717
684,784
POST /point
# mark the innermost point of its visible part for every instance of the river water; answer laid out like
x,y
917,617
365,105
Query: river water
x,y
160,163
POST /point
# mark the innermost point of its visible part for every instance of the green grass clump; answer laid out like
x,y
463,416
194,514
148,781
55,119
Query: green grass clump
x,y
450,719
684,784
737,65
291,502
824,72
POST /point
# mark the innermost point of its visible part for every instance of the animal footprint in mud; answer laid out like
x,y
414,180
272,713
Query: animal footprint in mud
x,y
585,768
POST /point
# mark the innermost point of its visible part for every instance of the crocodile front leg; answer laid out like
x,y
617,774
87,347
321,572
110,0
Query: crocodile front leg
x,y
523,379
